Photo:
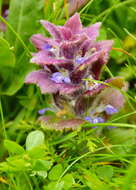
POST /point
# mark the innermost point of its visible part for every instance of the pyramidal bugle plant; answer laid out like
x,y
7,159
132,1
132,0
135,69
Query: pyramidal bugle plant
x,y
70,64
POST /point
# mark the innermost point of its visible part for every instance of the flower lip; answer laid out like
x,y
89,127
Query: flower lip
x,y
89,119
67,80
47,46
42,111
59,78
80,60
110,110
98,120
94,120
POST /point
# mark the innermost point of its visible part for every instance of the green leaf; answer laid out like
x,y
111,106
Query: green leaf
x,y
13,147
7,63
122,137
34,139
55,172
7,57
37,152
68,181
42,174
22,24
54,186
14,165
23,17
105,172
42,165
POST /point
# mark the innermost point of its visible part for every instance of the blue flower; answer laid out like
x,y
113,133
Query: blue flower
x,y
42,111
110,110
89,119
57,77
47,46
98,120
94,120
66,80
80,60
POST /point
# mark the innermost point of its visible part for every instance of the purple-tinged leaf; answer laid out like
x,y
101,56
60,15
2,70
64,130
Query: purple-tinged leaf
x,y
113,97
74,24
52,29
45,58
77,76
101,94
92,31
81,71
40,41
85,46
61,125
69,49
104,46
83,104
69,124
65,32
42,79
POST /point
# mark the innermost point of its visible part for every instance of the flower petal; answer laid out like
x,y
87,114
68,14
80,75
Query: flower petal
x,y
42,79
74,24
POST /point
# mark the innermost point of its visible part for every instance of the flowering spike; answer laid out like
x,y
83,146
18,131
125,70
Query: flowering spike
x,y
66,59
